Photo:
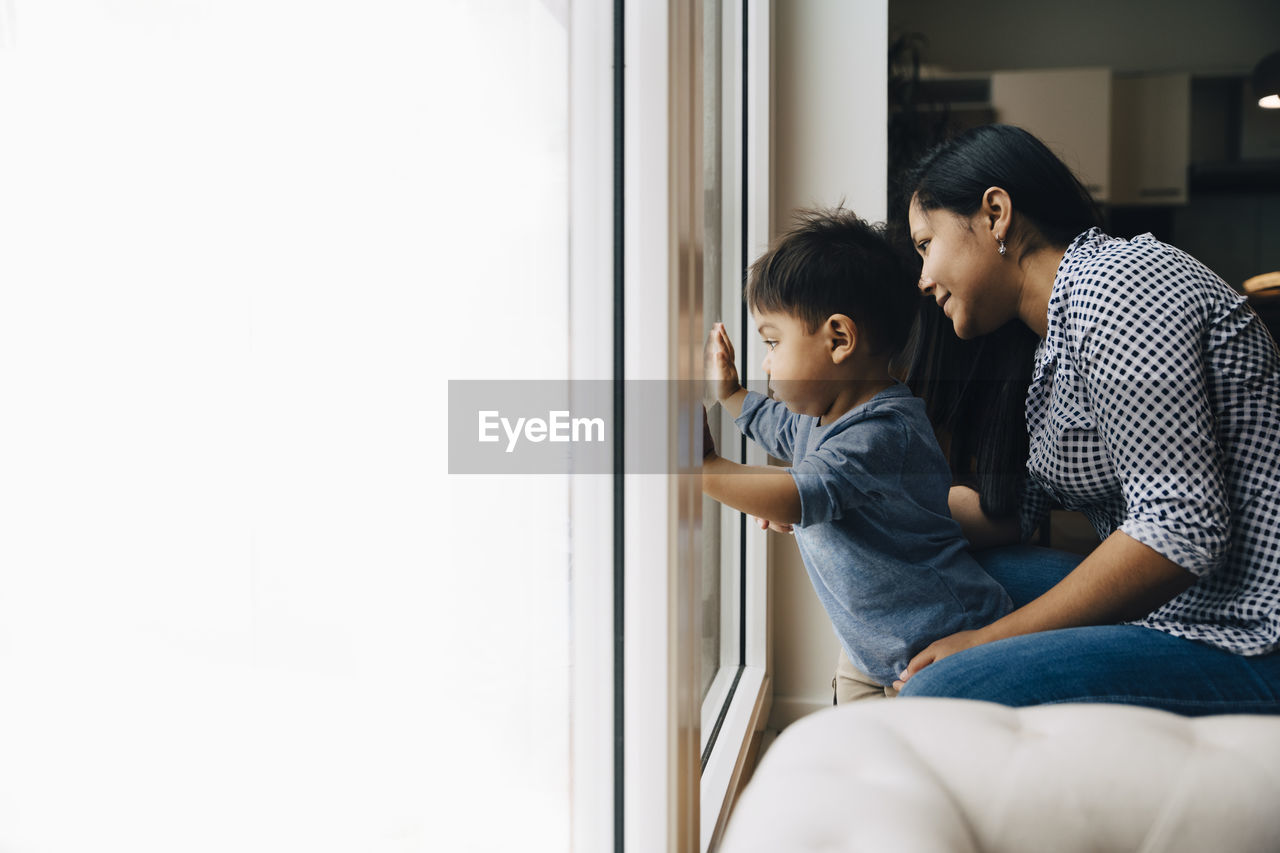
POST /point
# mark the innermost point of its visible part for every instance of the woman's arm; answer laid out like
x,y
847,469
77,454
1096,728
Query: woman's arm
x,y
1135,332
1122,579
981,530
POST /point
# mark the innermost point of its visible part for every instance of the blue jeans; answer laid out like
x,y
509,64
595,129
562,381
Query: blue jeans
x,y
1124,664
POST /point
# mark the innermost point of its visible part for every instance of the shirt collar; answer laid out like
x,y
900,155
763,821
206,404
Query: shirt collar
x,y
1080,252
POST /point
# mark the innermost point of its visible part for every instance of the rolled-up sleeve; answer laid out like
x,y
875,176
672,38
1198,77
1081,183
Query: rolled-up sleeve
x,y
1035,508
1139,356
862,465
769,424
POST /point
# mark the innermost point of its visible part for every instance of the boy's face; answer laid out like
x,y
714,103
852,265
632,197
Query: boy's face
x,y
798,362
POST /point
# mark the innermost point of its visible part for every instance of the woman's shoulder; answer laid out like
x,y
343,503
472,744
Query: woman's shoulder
x,y
1103,276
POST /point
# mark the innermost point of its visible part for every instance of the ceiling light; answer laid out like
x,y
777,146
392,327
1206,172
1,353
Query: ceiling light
x,y
1266,81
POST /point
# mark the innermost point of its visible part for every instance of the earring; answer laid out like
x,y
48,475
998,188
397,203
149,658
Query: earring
x,y
1001,249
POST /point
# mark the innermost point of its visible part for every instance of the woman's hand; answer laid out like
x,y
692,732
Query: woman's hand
x,y
717,360
938,650
981,531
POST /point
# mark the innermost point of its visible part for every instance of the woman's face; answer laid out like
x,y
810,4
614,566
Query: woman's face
x,y
962,270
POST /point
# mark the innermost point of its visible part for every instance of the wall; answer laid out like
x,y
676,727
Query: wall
x,y
1232,230
1227,36
829,145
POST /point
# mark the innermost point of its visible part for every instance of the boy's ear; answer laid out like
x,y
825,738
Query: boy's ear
x,y
842,336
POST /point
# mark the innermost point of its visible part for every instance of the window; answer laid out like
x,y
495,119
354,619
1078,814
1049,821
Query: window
x,y
243,245
695,208
735,204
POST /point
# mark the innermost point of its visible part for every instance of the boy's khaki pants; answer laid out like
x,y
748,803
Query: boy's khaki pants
x,y
852,684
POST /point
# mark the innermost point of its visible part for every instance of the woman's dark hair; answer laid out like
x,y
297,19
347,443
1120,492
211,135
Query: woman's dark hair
x,y
975,391
832,262
1045,193
975,396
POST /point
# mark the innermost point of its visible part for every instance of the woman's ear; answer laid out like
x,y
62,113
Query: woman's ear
x,y
997,209
842,337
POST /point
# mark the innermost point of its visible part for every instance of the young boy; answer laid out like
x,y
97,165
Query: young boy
x,y
867,487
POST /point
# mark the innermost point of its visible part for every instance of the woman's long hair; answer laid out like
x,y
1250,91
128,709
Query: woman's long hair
x,y
975,391
1046,195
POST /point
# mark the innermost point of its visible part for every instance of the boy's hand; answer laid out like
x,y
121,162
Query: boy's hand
x,y
717,358
708,440
777,526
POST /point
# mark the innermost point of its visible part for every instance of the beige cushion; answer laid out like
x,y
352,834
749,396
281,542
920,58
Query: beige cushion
x,y
958,775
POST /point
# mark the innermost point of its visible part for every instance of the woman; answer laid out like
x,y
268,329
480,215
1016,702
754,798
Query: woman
x,y
1153,407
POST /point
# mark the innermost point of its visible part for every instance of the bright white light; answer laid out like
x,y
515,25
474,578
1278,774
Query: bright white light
x,y
1270,102
243,247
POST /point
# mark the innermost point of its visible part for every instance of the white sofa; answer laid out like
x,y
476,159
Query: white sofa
x,y
957,775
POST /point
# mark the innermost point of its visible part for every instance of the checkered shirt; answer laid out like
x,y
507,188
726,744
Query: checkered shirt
x,y
1154,409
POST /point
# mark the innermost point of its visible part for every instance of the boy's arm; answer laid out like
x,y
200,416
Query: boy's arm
x,y
757,490
754,489
733,403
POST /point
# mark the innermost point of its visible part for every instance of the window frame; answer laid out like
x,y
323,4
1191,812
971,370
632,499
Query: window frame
x,y
661,727
596,711
737,720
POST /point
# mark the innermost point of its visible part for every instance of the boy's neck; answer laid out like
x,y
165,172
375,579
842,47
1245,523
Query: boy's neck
x,y
859,387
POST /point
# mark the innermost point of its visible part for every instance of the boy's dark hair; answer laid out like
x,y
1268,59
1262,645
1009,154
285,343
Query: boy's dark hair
x,y
832,262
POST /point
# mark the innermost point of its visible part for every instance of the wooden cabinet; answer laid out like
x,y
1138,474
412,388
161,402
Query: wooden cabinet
x,y
1150,138
1070,110
1128,137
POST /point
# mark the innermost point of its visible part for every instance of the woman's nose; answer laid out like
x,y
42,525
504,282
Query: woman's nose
x,y
925,284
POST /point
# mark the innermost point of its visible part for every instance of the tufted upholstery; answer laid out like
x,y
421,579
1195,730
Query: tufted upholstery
x,y
958,775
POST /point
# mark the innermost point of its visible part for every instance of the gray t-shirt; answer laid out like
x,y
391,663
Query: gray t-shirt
x,y
886,558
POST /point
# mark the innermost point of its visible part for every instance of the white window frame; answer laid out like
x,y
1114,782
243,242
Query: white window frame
x,y
663,718
591,323
748,708
660,723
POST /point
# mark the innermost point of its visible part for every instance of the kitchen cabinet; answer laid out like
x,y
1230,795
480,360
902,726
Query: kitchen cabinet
x,y
1127,137
1150,138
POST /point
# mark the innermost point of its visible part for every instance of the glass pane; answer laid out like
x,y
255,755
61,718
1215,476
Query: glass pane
x,y
712,264
245,605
